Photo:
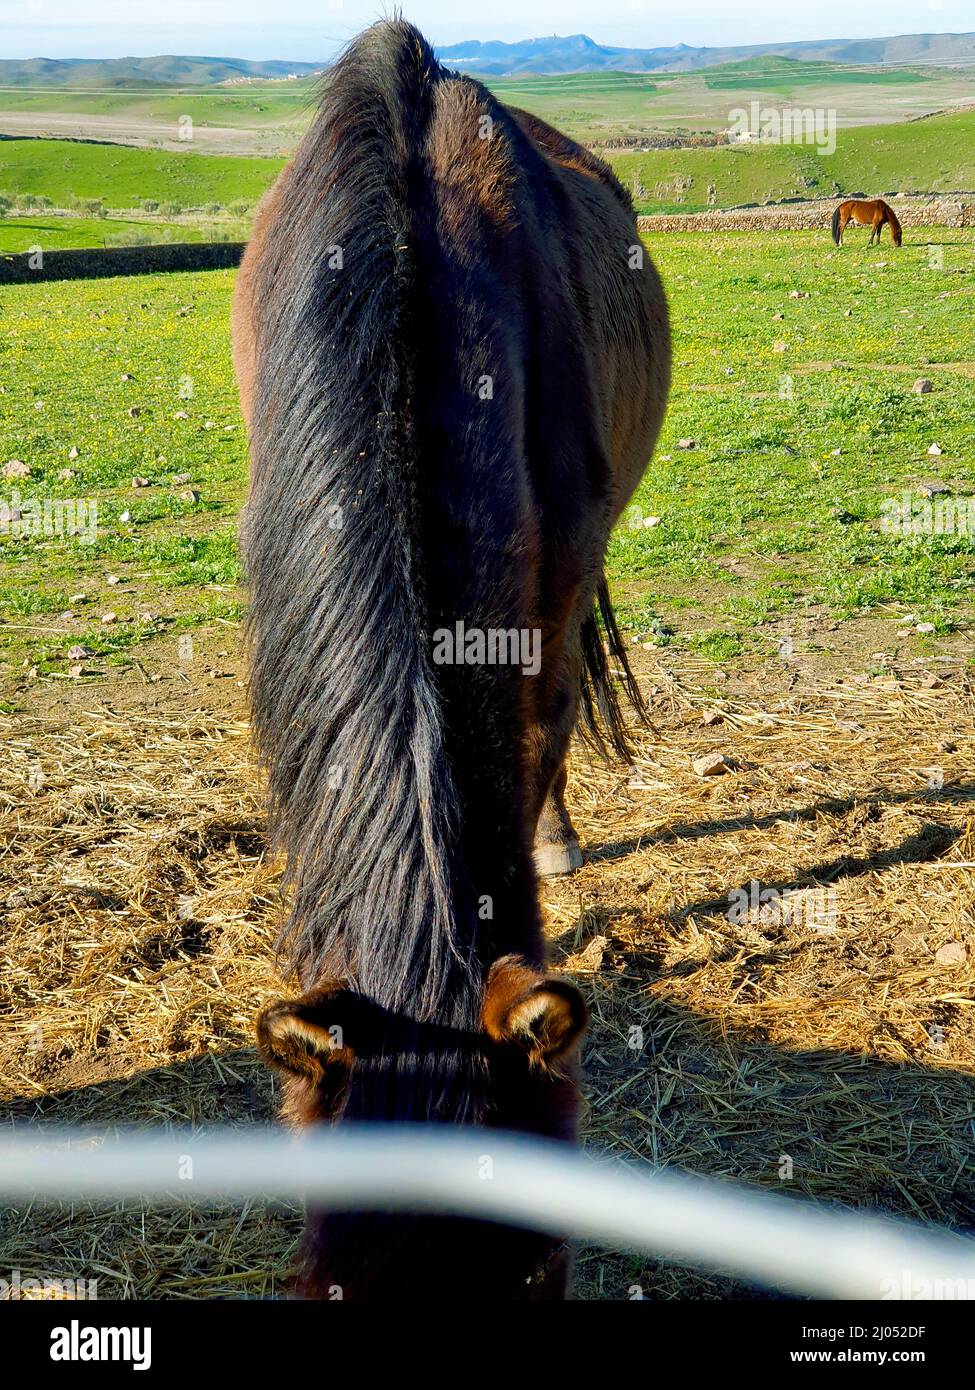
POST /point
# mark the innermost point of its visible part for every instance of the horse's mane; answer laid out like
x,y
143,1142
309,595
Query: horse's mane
x,y
346,711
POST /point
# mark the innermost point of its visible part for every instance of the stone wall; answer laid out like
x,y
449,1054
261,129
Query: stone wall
x,y
85,263
940,212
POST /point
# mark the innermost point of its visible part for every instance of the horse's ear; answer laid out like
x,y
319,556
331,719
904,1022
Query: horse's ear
x,y
323,1028
540,1013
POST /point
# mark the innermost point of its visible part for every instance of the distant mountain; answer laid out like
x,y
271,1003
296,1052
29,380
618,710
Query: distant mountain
x,y
142,72
579,53
575,53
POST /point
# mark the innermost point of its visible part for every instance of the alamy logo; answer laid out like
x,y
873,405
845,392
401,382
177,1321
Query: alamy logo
x,y
494,646
811,908
52,516
17,1286
77,1343
927,516
787,125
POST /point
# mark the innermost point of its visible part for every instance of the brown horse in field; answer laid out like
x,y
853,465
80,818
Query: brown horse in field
x,y
453,357
873,214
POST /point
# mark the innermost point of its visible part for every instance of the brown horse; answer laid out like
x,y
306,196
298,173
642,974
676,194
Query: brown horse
x,y
873,214
453,357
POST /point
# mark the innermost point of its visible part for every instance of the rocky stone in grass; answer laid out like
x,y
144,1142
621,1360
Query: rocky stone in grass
x,y
925,627
77,653
16,468
936,450
109,617
922,386
67,475
189,495
141,482
951,953
932,487
711,765
687,443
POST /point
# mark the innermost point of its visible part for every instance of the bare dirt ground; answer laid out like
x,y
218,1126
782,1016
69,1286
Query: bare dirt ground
x,y
778,958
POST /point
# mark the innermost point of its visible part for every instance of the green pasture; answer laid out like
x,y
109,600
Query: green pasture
x,y
801,426
254,104
19,234
933,155
121,176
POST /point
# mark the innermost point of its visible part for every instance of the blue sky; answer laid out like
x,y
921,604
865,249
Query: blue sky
x,y
309,30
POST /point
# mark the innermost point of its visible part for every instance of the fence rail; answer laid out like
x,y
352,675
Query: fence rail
x,y
773,1240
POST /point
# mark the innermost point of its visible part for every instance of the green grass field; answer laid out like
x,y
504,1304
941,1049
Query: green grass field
x,y
933,155
803,426
19,234
784,75
122,176
256,104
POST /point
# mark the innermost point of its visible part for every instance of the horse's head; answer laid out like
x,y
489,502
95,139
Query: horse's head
x,y
344,1057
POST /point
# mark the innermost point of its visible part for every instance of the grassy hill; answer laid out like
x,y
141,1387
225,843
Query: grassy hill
x,y
780,75
609,106
122,177
251,104
934,155
121,72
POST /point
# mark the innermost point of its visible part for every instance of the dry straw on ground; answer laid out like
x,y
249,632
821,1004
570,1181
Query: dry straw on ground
x,y
813,1042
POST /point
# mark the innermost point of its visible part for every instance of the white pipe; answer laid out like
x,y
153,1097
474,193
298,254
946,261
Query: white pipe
x,y
770,1239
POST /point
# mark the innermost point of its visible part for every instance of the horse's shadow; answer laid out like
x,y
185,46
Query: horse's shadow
x,y
955,793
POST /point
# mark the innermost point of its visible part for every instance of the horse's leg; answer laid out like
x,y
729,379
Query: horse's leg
x,y
551,721
557,848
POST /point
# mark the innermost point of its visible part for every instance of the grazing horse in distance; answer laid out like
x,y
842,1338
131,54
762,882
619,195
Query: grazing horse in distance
x,y
873,213
453,358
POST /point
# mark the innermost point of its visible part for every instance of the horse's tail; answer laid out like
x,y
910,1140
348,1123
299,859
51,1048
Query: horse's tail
x,y
346,708
896,230
836,224
600,714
